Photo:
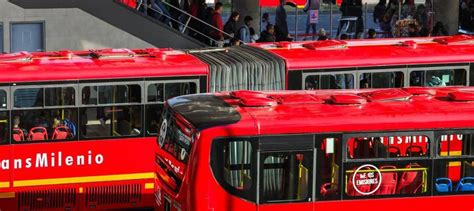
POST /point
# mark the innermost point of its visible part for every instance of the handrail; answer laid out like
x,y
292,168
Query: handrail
x,y
183,25
195,18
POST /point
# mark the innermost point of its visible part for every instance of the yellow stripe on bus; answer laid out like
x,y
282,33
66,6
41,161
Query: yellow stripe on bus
x,y
71,180
7,195
452,164
149,185
4,184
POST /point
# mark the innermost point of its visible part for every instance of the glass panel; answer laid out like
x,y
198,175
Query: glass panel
x,y
328,174
312,82
237,161
381,80
3,99
177,89
456,145
436,78
471,75
1,38
454,176
61,96
388,178
153,116
4,127
27,37
42,125
111,121
155,93
388,146
89,95
286,176
119,94
332,81
32,97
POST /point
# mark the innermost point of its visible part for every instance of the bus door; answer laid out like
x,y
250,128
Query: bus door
x,y
5,151
286,177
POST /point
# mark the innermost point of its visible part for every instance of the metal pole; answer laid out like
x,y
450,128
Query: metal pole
x,y
399,10
296,22
330,19
365,18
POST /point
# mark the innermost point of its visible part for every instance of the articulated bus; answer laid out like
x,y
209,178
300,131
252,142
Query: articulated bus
x,y
377,63
378,149
77,128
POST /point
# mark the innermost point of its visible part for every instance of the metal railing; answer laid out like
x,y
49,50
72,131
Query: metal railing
x,y
182,21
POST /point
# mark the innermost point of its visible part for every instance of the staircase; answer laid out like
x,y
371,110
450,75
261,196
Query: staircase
x,y
122,14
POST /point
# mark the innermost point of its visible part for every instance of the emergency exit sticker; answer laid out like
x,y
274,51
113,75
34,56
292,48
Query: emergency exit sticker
x,y
329,145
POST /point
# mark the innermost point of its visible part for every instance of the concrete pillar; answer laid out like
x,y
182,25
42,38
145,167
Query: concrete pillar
x,y
248,7
448,13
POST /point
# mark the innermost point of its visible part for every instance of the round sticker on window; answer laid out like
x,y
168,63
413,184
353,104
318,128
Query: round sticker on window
x,y
163,128
367,176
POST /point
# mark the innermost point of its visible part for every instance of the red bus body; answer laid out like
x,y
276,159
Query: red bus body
x,y
107,173
320,126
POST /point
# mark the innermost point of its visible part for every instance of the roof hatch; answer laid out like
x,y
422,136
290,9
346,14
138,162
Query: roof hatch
x,y
461,96
455,40
16,57
112,53
348,99
386,95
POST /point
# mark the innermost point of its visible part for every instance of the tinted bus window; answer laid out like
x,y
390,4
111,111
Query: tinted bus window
x,y
331,81
3,99
31,97
454,173
234,165
112,94
286,176
111,121
456,145
381,80
328,172
44,124
387,178
62,96
157,93
388,147
436,78
4,127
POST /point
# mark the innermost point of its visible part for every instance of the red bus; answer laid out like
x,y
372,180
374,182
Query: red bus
x,y
76,128
391,149
377,63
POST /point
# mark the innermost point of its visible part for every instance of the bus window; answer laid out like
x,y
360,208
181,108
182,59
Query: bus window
x,y
111,121
286,176
60,96
456,145
4,127
437,78
401,177
44,124
234,166
455,172
177,89
3,99
119,94
328,173
381,80
30,97
157,93
387,147
329,81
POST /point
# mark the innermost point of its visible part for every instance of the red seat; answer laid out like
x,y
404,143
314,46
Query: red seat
x,y
351,191
394,151
61,132
18,135
410,181
38,134
329,189
389,182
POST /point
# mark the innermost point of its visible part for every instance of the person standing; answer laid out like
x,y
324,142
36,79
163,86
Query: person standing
x,y
281,25
230,26
216,22
379,11
311,8
244,31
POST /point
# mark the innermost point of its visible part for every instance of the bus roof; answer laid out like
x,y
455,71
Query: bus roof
x,y
289,112
98,64
377,52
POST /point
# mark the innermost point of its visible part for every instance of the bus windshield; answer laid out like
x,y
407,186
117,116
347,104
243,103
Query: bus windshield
x,y
174,140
